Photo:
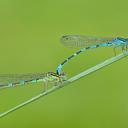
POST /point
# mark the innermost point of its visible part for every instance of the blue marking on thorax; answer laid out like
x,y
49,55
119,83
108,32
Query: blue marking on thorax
x,y
122,39
119,41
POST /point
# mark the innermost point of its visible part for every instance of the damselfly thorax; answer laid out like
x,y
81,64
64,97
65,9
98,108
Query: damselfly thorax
x,y
54,77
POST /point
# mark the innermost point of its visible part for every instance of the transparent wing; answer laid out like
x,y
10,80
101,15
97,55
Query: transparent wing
x,y
15,78
81,40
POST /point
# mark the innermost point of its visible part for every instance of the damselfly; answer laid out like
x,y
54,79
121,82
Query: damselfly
x,y
89,42
11,80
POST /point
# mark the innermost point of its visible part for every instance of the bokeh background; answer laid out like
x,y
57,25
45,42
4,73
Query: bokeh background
x,y
29,42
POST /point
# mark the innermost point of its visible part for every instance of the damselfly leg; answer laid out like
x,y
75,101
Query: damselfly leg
x,y
45,86
114,49
123,48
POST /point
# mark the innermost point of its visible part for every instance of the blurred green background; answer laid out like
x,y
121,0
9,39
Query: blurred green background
x,y
29,42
